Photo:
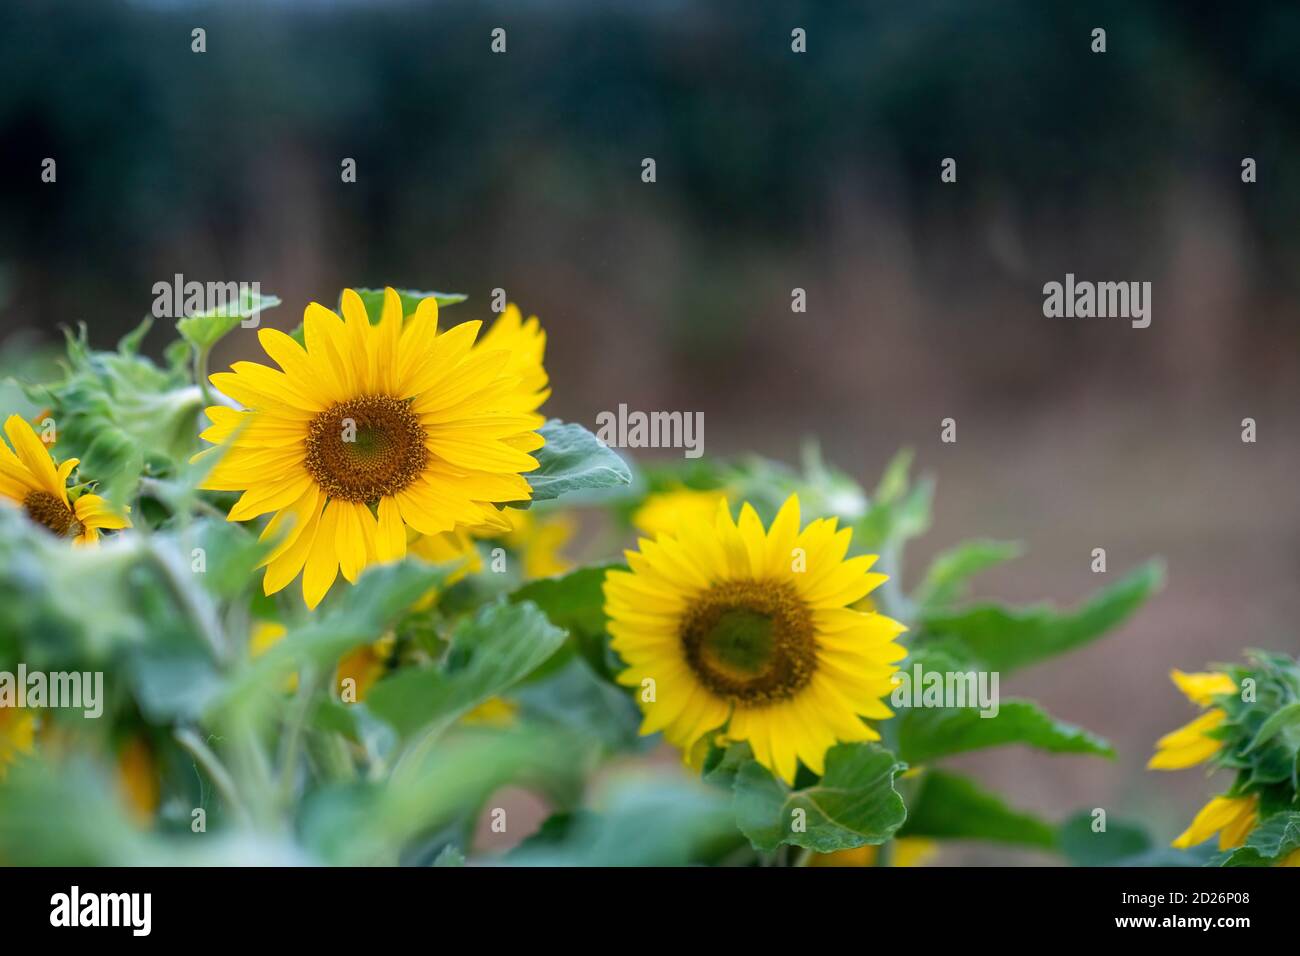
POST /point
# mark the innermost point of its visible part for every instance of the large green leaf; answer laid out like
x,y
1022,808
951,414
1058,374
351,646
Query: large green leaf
x,y
489,653
947,578
574,460
952,807
928,733
1005,639
853,804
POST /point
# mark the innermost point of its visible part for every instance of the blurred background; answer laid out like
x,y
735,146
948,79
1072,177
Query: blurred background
x,y
775,170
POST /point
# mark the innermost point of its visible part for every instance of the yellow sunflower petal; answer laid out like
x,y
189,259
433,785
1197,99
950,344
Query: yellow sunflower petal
x,y
1202,688
31,451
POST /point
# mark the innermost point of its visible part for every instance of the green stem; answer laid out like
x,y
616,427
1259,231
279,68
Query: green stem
x,y
216,770
201,373
292,741
204,621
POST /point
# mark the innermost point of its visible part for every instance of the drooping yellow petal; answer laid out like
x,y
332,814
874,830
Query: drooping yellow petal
x,y
1231,817
1189,744
1202,688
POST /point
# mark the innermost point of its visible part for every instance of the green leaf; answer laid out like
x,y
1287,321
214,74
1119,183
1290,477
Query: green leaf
x,y
576,602
371,823
172,683
1282,721
894,480
489,653
952,807
946,580
381,595
576,699
927,733
853,804
204,329
640,820
1005,639
574,460
1119,844
374,301
1270,841
894,522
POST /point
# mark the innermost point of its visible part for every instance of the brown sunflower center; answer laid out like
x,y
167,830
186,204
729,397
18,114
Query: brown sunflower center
x,y
366,448
750,640
50,512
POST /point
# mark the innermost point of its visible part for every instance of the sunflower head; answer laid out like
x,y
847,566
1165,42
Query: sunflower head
x,y
31,479
375,429
730,627
1237,732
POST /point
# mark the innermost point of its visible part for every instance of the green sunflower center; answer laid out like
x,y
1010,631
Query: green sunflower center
x,y
752,641
50,512
366,448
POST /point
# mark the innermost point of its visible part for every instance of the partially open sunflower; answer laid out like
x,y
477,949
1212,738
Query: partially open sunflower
x,y
30,478
368,431
727,627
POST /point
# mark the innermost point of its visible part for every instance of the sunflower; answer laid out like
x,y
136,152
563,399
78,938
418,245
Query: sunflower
x,y
1192,744
727,627
32,480
665,511
371,430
